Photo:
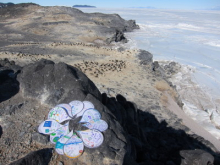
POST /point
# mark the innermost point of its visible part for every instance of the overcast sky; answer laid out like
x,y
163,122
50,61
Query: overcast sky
x,y
165,4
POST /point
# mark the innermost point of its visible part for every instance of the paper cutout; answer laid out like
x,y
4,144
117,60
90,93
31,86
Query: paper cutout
x,y
99,125
58,114
76,107
60,132
90,114
87,105
73,148
91,138
48,126
67,108
61,142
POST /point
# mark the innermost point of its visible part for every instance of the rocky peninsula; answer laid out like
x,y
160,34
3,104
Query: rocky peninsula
x,y
53,55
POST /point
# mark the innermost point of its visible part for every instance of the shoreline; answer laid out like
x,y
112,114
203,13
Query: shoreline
x,y
193,125
198,104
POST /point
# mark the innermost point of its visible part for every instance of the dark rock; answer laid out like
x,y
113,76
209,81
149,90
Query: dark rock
x,y
145,57
9,65
196,157
171,68
155,65
10,109
40,157
40,138
55,83
8,141
132,25
117,37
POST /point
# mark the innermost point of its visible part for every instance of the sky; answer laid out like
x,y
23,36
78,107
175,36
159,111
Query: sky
x,y
161,4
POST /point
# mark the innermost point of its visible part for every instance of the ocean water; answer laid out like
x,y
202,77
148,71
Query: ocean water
x,y
191,38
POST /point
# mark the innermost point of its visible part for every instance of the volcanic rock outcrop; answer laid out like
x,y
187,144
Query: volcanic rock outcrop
x,y
134,136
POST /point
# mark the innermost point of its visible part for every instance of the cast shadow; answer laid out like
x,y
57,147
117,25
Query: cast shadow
x,y
40,157
9,86
1,131
152,142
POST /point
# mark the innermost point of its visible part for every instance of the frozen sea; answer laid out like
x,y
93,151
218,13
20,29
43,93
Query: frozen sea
x,y
191,38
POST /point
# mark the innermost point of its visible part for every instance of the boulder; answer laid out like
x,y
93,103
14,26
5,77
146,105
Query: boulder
x,y
52,84
196,157
117,37
145,57
55,83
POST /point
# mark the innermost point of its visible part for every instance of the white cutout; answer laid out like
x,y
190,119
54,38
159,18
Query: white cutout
x,y
49,126
76,107
73,147
90,114
99,125
91,138
60,132
87,105
61,142
58,114
67,108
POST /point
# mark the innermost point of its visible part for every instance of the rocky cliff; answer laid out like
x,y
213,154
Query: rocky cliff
x,y
25,22
6,4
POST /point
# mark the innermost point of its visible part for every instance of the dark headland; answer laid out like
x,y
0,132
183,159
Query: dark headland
x,y
84,6
53,55
6,4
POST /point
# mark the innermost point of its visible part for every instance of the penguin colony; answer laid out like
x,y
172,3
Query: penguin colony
x,y
20,55
97,69
27,43
94,47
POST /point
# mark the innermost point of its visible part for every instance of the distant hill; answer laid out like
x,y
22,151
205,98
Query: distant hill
x,y
5,4
216,8
84,6
148,7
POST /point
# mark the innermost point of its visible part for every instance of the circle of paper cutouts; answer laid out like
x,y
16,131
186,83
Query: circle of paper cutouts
x,y
87,105
61,142
99,125
49,126
69,143
91,138
76,107
58,114
67,108
60,132
90,114
73,148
